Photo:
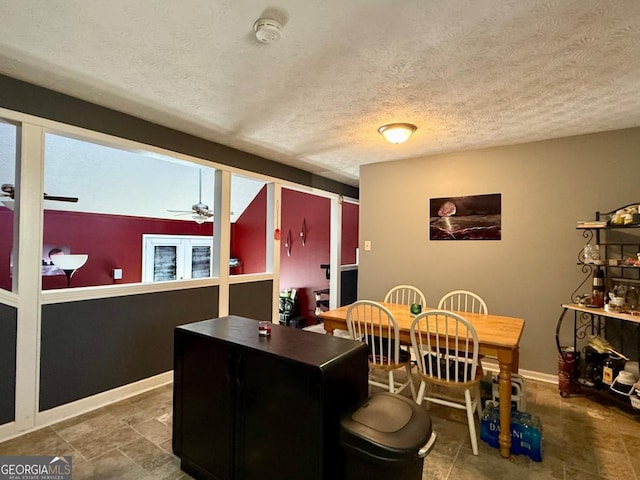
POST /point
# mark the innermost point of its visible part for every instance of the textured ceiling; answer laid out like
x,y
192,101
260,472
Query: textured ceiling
x,y
468,73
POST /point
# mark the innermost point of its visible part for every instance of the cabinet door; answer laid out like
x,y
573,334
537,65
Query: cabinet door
x,y
203,420
279,425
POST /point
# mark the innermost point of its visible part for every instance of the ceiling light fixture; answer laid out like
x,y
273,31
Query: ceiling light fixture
x,y
397,132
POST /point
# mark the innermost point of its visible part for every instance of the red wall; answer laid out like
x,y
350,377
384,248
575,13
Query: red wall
x,y
302,269
111,241
114,241
248,242
6,240
350,215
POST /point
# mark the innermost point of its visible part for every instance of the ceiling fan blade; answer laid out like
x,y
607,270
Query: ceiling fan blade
x,y
60,199
10,191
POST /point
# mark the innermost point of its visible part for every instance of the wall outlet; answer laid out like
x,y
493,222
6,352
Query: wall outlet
x,y
367,245
117,274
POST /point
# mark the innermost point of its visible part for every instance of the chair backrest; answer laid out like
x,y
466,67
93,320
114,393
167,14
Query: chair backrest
x,y
372,323
405,295
446,346
463,301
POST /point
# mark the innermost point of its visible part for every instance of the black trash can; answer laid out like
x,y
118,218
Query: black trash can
x,y
385,438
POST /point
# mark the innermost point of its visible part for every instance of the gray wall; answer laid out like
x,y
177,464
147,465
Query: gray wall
x,y
91,346
252,300
8,332
546,187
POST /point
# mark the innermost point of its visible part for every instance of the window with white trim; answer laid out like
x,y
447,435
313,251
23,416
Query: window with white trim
x,y
176,257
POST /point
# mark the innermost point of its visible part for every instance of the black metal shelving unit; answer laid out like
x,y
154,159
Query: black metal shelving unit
x,y
616,244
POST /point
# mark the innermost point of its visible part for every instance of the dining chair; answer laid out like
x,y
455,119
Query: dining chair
x,y
374,324
446,346
405,295
463,301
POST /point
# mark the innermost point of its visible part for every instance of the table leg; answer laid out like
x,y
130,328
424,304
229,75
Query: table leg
x,y
515,362
328,328
505,360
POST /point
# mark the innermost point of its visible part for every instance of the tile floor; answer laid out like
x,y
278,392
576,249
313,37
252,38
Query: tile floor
x,y
132,440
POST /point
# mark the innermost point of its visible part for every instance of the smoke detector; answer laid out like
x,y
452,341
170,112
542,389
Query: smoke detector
x,y
267,30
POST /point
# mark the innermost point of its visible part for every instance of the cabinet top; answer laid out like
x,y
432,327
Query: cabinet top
x,y
300,346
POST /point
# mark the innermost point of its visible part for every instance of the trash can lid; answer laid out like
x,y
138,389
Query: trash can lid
x,y
387,426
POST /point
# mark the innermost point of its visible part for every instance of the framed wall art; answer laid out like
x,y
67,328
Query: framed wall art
x,y
48,268
474,217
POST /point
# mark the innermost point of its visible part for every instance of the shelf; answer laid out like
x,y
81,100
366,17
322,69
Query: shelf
x,y
609,399
602,312
607,265
600,237
625,280
621,227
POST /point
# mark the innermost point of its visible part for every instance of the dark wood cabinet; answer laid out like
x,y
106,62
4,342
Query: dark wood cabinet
x,y
262,408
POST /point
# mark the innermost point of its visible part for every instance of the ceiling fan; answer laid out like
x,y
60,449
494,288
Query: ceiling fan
x,y
199,211
9,190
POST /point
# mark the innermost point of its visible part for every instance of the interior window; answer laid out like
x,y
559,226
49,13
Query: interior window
x,y
8,142
102,201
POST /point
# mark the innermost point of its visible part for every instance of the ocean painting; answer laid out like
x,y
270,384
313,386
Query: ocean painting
x,y
474,217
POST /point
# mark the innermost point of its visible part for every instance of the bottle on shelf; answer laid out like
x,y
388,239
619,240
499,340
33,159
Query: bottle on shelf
x,y
597,298
611,367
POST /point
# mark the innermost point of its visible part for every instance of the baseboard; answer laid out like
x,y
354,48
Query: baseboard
x,y
87,404
490,366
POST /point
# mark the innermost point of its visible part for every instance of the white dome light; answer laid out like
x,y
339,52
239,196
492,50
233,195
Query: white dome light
x,y
397,132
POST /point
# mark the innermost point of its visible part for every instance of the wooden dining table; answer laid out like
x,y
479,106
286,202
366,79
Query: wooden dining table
x,y
498,337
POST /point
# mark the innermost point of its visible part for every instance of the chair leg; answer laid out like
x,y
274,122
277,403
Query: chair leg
x,y
410,380
420,395
479,402
471,421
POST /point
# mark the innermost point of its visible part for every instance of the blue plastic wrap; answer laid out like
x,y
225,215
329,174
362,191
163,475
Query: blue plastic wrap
x,y
526,431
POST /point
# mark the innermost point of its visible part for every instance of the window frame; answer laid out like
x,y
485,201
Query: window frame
x,y
184,254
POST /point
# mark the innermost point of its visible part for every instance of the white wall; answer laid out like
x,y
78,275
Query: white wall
x,y
546,187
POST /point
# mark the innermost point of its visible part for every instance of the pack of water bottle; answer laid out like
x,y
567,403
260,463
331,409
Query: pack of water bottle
x,y
526,431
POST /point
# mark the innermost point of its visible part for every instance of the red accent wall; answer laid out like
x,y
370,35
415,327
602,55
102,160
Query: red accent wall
x,y
115,241
350,227
302,269
112,241
6,240
248,242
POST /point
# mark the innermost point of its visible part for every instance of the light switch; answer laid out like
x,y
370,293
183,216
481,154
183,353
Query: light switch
x,y
117,274
367,245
